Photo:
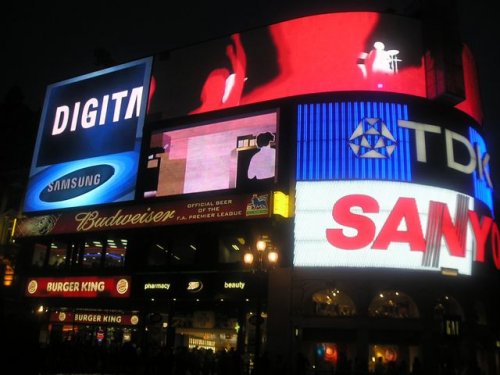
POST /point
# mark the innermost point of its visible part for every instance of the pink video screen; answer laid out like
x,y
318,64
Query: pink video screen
x,y
226,154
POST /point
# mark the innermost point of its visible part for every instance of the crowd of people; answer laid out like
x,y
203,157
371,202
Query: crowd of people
x,y
74,357
79,357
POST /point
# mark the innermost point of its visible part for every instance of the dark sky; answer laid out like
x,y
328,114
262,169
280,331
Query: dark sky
x,y
45,43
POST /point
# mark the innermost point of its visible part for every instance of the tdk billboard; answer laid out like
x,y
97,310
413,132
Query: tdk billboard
x,y
88,145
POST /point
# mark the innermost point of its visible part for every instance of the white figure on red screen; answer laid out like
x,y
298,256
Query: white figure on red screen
x,y
262,164
378,60
223,88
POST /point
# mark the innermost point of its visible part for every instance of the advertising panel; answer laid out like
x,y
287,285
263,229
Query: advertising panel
x,y
228,207
321,53
88,145
393,140
227,154
347,51
235,285
79,287
94,317
389,225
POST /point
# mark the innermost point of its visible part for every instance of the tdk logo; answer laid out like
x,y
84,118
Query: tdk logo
x,y
95,111
77,183
477,161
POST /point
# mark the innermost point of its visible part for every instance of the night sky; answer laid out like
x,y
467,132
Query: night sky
x,y
44,43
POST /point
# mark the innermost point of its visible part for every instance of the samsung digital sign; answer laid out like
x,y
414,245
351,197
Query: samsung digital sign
x,y
230,153
88,145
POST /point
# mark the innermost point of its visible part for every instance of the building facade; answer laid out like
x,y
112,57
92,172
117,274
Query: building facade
x,y
349,144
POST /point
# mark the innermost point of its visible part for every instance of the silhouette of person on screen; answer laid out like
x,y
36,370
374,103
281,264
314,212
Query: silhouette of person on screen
x,y
262,164
223,88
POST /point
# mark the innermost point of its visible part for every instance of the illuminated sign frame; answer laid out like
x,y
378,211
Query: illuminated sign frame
x,y
330,52
232,153
79,287
387,140
94,317
88,145
222,208
389,225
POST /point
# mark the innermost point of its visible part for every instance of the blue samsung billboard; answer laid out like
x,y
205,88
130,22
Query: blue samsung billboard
x,y
88,145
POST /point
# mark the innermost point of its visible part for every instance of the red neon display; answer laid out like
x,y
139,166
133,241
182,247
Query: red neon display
x,y
223,87
440,225
348,51
80,287
404,209
472,104
338,52
93,317
481,230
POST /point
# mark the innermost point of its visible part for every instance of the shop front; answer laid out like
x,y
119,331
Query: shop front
x,y
93,327
210,311
84,321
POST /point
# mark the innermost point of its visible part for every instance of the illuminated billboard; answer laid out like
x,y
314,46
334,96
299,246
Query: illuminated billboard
x,y
160,213
347,51
93,317
79,287
89,138
389,225
232,153
321,53
391,140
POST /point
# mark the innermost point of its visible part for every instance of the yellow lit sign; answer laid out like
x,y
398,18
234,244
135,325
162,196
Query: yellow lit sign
x,y
281,204
8,277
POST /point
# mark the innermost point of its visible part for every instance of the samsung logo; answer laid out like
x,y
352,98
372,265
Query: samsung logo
x,y
77,183
72,183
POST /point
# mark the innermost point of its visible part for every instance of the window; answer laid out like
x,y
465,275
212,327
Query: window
x,y
116,250
232,247
480,313
447,306
57,254
184,251
92,253
163,252
159,253
393,304
333,302
39,255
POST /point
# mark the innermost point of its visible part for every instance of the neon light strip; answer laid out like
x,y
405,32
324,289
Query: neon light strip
x,y
299,140
481,189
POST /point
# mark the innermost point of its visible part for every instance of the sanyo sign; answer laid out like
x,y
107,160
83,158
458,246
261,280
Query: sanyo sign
x,y
390,225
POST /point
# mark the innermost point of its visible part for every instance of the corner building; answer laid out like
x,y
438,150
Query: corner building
x,y
350,143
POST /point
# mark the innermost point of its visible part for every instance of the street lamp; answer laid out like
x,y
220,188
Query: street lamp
x,y
260,259
263,262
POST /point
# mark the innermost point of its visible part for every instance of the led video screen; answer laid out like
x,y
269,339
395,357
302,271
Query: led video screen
x,y
332,52
384,225
321,53
235,153
391,140
88,145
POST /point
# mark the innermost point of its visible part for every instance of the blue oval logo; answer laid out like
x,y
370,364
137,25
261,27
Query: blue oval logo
x,y
77,183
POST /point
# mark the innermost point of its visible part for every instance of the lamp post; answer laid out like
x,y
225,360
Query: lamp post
x,y
261,259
